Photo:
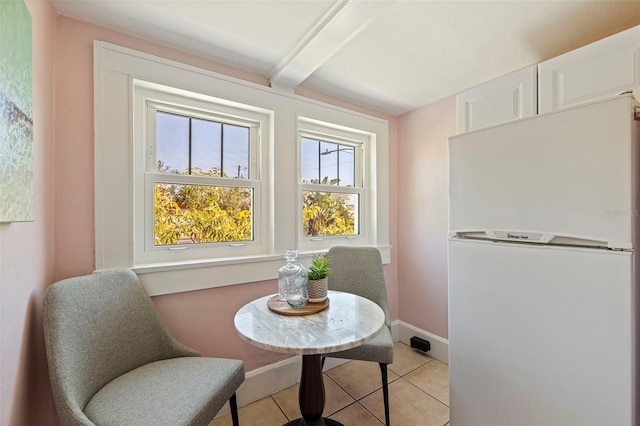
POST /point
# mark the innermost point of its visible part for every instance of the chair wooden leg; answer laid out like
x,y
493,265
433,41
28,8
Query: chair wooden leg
x,y
385,392
234,410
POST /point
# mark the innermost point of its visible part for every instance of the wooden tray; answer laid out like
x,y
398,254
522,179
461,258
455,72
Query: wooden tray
x,y
283,308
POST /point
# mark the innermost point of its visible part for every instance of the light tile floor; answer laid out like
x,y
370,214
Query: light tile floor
x,y
418,395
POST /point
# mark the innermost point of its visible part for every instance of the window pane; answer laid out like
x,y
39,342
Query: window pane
x,y
172,143
206,147
235,151
330,213
188,145
194,214
310,163
328,163
346,165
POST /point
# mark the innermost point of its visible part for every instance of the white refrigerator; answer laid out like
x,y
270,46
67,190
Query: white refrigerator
x,y
542,289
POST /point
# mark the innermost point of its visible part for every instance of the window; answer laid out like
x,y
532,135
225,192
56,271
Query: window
x,y
211,205
331,184
201,174
200,180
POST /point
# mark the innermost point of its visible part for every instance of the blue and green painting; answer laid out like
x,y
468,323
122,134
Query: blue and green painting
x,y
16,113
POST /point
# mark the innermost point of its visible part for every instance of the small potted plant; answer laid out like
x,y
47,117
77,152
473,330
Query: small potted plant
x,y
318,273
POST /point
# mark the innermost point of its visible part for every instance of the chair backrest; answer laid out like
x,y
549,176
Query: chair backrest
x,y
358,270
98,327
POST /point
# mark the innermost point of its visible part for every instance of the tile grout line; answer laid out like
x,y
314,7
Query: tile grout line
x,y
425,392
417,387
279,407
411,371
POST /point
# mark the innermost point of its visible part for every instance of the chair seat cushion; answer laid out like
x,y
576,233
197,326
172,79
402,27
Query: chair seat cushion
x,y
379,349
177,391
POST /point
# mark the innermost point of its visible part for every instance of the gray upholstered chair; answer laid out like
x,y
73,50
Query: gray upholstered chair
x,y
358,270
113,362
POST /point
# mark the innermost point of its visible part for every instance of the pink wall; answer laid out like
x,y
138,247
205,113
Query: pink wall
x,y
202,319
423,212
60,243
27,255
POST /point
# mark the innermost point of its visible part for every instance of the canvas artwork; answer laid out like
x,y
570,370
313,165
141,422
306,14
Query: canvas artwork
x,y
16,113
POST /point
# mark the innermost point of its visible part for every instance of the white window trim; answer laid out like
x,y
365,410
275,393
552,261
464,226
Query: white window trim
x,y
115,68
365,154
147,97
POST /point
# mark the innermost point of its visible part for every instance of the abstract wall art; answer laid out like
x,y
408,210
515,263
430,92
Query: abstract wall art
x,y
16,113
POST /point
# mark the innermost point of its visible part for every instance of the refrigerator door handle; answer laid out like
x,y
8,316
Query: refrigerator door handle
x,y
542,238
504,235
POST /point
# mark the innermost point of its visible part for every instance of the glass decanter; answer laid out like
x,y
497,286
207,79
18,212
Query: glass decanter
x,y
292,281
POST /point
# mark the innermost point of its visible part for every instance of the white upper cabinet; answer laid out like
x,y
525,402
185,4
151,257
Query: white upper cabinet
x,y
596,71
504,99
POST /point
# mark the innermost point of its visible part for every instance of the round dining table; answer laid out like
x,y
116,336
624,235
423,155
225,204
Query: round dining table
x,y
347,322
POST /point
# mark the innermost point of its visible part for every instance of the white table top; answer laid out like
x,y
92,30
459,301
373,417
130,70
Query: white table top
x,y
349,321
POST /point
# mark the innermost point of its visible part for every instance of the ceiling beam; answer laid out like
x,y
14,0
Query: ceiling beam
x,y
345,20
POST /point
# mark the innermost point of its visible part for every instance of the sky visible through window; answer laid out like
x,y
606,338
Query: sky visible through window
x,y
322,159
207,145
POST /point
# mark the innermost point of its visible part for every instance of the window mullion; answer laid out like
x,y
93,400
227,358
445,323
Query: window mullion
x,y
202,180
319,162
338,165
222,150
330,188
190,143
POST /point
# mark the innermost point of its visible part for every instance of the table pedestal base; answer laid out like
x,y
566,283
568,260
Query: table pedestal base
x,y
322,422
311,394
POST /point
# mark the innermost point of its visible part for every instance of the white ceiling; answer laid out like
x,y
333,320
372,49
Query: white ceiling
x,y
393,56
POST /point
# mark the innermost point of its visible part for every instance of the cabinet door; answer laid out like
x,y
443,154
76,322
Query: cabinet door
x,y
596,71
504,99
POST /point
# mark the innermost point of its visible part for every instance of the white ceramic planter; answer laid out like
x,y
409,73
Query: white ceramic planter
x,y
317,290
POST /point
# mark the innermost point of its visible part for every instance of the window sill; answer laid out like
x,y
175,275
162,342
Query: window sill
x,y
169,278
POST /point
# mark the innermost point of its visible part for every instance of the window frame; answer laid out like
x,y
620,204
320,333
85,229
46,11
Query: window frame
x,y
362,141
150,98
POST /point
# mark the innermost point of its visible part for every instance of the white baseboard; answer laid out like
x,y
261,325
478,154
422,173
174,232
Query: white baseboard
x,y
272,378
439,345
264,381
